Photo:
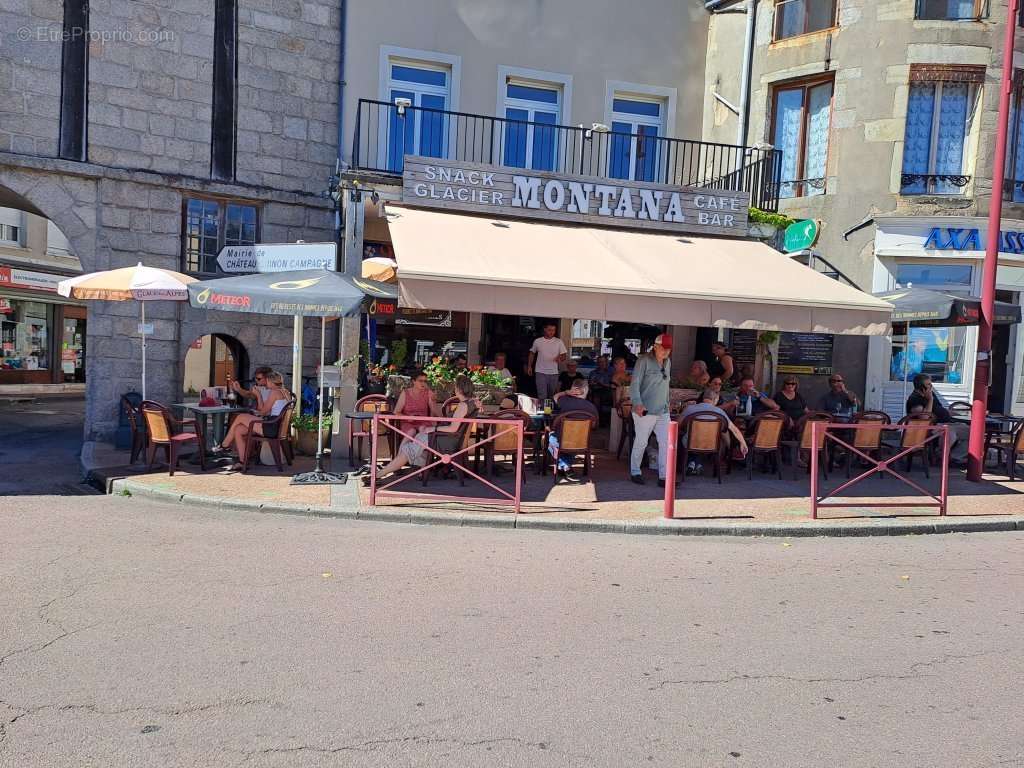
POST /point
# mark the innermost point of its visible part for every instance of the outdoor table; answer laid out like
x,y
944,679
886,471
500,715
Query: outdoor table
x,y
362,418
219,414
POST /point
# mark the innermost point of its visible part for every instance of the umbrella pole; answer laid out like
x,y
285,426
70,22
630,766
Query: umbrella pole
x,y
142,330
906,357
318,476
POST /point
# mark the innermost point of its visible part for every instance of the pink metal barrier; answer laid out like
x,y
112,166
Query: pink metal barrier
x,y
670,469
492,429
879,466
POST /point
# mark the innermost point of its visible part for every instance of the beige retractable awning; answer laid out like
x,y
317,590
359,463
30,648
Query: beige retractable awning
x,y
479,264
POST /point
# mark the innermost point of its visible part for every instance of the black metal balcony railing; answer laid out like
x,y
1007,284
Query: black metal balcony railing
x,y
1013,190
386,133
802,187
933,183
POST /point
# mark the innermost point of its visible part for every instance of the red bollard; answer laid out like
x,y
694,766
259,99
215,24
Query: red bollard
x,y
670,469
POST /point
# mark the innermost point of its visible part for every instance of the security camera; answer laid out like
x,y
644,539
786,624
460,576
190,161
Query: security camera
x,y
401,103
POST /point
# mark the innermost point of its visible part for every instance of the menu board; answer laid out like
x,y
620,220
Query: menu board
x,y
743,347
806,353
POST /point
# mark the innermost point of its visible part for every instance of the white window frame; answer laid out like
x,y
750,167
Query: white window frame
x,y
535,78
974,92
420,59
11,217
665,96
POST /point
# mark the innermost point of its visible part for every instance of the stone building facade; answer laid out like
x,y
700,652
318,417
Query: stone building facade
x,y
150,92
865,66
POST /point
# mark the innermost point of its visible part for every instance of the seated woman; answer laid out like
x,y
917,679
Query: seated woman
x,y
411,452
620,380
270,404
790,401
698,377
417,400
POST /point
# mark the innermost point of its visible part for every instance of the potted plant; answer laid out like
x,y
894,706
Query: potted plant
x,y
305,426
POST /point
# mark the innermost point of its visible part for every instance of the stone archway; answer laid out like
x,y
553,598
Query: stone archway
x,y
210,359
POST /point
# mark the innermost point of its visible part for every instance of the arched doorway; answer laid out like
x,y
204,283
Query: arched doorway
x,y
211,359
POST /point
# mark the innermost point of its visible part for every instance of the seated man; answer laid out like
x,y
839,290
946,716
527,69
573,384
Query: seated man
x,y
499,366
568,376
698,376
838,399
924,399
460,364
574,401
709,404
601,390
259,386
749,401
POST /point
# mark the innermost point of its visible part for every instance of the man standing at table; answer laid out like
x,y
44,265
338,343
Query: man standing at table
x,y
545,355
648,394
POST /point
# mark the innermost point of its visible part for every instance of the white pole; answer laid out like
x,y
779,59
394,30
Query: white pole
x,y
906,357
297,357
320,419
142,328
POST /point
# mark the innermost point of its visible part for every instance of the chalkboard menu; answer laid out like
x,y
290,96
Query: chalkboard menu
x,y
806,353
743,346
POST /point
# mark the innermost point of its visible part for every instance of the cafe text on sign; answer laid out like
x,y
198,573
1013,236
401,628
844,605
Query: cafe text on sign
x,y
522,193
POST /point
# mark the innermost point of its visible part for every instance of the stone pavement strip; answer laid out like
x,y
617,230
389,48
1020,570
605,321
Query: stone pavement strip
x,y
738,508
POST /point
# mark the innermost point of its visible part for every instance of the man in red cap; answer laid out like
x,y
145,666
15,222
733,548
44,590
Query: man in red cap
x,y
648,393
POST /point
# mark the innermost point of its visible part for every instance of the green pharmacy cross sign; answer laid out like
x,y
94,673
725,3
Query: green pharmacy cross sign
x,y
800,235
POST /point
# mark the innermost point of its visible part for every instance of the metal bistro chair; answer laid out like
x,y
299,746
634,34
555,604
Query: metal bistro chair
x,y
868,441
1014,448
628,433
704,434
572,430
166,431
131,405
274,433
920,429
803,443
453,443
768,428
360,431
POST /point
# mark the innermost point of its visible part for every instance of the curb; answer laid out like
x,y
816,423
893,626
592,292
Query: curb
x,y
656,527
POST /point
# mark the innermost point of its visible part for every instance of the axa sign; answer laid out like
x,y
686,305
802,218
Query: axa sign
x,y
962,239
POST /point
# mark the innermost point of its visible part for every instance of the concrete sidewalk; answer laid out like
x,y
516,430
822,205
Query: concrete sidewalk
x,y
606,502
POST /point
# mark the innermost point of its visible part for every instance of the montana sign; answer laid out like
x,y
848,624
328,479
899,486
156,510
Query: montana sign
x,y
434,183
277,257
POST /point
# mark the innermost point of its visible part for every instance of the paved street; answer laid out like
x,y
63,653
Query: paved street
x,y
136,634
39,445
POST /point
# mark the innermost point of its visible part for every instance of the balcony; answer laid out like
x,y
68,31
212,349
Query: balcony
x,y
386,133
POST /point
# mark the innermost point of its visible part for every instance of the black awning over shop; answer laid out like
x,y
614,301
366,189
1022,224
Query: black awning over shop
x,y
925,308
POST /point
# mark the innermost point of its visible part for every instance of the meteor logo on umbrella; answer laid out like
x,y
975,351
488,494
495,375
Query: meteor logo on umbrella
x,y
295,285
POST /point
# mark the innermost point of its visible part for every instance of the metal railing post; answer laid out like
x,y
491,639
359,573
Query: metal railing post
x,y
519,466
815,425
670,469
373,459
944,493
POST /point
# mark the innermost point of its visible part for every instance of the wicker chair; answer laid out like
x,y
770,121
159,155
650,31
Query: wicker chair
x,y
464,436
768,429
506,443
914,438
274,433
166,431
448,406
803,443
868,441
131,405
572,430
704,435
360,431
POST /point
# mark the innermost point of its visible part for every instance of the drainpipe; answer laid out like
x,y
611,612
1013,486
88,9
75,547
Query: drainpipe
x,y
336,341
748,62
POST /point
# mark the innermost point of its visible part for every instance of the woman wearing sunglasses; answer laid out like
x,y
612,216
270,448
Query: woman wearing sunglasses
x,y
789,399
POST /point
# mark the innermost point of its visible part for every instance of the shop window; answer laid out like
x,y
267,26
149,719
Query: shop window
x,y
938,352
1013,188
24,335
799,17
951,10
423,129
210,225
638,130
532,114
72,348
56,244
950,278
940,112
801,115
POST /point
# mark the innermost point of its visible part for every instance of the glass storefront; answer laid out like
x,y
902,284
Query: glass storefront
x,y
25,328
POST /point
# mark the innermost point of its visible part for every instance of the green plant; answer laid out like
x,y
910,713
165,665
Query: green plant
x,y
307,422
777,220
124,492
399,353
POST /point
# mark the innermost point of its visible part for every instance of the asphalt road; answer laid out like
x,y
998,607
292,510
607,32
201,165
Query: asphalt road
x,y
139,634
40,441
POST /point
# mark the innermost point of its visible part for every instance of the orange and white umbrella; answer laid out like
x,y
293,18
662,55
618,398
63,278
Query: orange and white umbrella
x,y
138,283
380,268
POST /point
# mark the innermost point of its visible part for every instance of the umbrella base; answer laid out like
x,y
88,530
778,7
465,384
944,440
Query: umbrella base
x,y
319,477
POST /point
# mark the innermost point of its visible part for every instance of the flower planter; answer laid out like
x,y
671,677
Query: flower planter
x,y
397,384
305,441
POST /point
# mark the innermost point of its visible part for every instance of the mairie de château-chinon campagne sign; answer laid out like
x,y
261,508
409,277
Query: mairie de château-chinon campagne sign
x,y
522,193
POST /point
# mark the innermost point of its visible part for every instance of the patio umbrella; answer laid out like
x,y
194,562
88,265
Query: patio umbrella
x,y
924,308
380,268
138,283
311,292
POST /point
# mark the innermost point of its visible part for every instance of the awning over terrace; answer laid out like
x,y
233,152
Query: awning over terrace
x,y
504,266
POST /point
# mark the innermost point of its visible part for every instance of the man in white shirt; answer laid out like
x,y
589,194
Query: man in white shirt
x,y
545,355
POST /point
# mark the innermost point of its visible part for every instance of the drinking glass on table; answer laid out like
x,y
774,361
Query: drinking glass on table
x,y
548,407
